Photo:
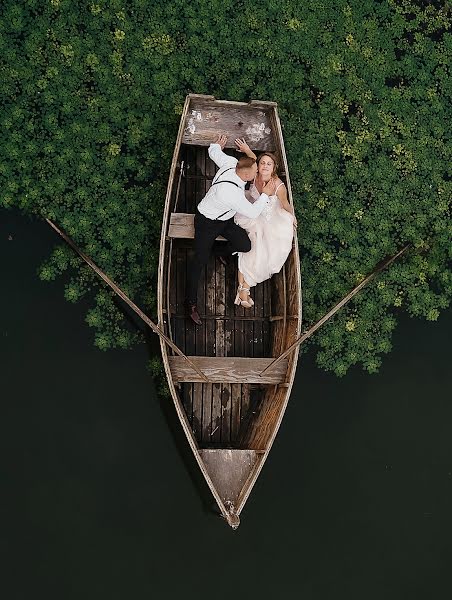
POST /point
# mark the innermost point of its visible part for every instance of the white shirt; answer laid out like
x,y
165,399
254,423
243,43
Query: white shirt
x,y
225,197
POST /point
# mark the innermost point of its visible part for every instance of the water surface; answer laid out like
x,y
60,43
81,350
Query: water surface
x,y
98,499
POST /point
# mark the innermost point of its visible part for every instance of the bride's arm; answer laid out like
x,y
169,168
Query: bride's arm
x,y
243,147
282,196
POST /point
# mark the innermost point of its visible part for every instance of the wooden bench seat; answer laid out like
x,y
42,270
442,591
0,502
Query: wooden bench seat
x,y
227,369
182,226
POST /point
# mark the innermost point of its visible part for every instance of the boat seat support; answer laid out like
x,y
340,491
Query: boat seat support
x,y
182,225
228,370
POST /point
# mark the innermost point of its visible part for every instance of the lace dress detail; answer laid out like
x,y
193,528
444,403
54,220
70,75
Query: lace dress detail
x,y
271,235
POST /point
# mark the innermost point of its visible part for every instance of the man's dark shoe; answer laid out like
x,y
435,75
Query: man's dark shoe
x,y
192,312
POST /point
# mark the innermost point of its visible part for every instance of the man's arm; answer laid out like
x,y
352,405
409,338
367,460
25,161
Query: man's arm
x,y
242,206
218,156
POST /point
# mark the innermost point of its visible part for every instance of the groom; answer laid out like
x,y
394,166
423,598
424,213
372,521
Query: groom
x,y
215,214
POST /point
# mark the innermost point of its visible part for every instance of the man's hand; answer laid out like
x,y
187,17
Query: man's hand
x,y
270,187
221,139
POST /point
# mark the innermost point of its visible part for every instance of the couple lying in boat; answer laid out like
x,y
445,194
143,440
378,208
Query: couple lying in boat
x,y
257,223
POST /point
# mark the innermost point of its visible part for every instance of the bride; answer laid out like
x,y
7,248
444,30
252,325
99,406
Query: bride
x,y
271,233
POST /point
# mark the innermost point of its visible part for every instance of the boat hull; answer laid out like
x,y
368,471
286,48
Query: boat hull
x,y
231,418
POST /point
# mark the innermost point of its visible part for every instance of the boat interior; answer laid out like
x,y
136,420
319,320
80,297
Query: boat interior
x,y
234,416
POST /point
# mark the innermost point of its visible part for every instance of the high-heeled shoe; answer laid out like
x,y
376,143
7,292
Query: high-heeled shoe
x,y
245,303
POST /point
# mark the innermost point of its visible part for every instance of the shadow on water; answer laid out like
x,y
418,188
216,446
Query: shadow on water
x,y
100,495
182,447
169,413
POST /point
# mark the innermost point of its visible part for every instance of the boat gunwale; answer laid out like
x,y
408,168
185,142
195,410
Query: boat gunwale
x,y
248,486
293,367
160,300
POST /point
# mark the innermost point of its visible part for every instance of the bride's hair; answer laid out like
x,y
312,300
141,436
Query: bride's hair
x,y
274,159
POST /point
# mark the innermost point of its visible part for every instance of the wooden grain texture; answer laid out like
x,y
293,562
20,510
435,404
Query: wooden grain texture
x,y
187,399
206,120
263,424
220,308
215,429
229,470
179,281
182,225
239,403
226,408
236,399
227,369
197,410
206,413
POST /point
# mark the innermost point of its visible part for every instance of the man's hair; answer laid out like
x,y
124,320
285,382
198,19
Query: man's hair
x,y
245,162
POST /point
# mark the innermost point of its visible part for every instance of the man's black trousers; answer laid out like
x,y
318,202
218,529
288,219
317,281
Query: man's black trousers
x,y
206,231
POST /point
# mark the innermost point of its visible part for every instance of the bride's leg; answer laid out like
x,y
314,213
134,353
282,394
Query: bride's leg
x,y
243,294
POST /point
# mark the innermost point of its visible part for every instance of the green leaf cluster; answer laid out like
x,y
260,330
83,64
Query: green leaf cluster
x,y
91,97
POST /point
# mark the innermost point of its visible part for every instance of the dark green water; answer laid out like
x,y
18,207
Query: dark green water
x,y
97,500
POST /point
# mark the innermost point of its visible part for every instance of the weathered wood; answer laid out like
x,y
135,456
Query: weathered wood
x,y
182,225
229,470
220,308
179,261
204,121
258,336
201,330
236,400
236,396
215,430
224,412
227,370
226,408
244,405
181,174
259,434
197,409
235,317
207,413
187,400
170,294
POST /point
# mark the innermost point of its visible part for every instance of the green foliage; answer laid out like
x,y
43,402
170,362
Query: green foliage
x,y
157,370
91,98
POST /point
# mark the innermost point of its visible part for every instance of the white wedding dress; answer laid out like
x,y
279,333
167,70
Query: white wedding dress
x,y
271,235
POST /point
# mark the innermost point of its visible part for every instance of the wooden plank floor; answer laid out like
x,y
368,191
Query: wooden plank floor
x,y
216,410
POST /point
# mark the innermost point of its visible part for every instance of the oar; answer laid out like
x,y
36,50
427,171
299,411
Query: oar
x,y
181,173
307,334
155,328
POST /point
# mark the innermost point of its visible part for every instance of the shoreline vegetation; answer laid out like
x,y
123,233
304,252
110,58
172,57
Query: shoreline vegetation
x,y
91,101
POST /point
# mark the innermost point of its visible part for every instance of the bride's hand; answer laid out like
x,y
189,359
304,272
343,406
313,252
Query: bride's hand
x,y
270,187
242,146
295,224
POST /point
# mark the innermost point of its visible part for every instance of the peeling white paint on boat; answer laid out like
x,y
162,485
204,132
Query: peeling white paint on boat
x,y
257,132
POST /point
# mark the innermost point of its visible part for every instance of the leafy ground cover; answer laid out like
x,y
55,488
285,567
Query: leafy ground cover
x,y
91,98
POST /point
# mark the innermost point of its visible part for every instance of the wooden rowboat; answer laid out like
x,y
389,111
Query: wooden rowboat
x,y
232,416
